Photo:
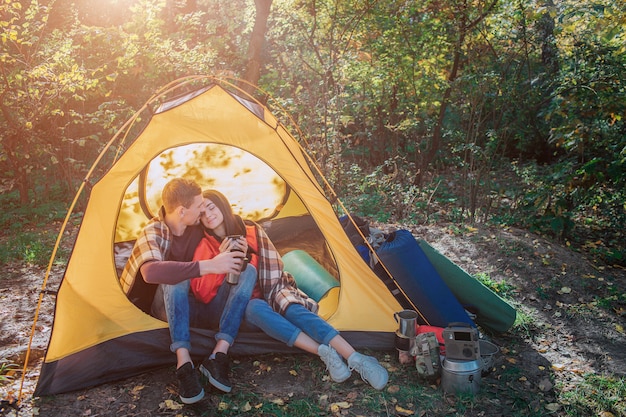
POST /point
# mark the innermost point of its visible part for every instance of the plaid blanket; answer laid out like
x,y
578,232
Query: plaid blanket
x,y
278,286
153,244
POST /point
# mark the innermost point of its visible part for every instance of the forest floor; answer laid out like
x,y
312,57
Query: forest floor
x,y
569,331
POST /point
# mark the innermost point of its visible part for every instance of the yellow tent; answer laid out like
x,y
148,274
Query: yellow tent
x,y
223,141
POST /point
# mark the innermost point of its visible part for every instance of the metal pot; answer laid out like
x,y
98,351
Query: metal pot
x,y
461,377
488,352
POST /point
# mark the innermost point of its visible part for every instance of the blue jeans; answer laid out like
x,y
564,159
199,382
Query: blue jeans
x,y
181,310
287,328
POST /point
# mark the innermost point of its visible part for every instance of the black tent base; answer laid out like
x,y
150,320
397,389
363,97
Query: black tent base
x,y
140,352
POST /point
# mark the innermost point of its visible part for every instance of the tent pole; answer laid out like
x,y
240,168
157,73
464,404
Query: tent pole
x,y
43,288
70,210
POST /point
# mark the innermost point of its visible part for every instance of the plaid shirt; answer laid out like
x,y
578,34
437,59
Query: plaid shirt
x,y
153,244
278,286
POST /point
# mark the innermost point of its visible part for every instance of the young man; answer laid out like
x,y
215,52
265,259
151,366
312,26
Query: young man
x,y
163,254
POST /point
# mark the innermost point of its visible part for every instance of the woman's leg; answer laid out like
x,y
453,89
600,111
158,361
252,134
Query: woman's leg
x,y
235,306
316,337
260,314
367,366
225,311
311,324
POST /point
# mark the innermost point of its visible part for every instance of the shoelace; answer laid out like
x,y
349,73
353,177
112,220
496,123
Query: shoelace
x,y
331,360
364,367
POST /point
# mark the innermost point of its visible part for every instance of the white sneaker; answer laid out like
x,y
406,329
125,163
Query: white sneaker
x,y
371,371
338,370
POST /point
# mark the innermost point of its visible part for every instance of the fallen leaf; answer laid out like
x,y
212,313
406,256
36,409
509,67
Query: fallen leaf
x,y
246,407
393,389
403,411
553,407
619,328
293,372
278,401
222,406
566,290
170,405
545,385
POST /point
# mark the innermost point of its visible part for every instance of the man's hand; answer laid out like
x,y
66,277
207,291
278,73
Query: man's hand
x,y
223,263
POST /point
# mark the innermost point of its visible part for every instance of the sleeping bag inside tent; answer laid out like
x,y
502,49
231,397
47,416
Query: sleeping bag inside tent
x,y
224,141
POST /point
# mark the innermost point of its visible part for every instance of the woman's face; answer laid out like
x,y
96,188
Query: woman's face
x,y
213,218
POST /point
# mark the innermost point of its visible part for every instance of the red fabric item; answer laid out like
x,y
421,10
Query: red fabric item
x,y
205,287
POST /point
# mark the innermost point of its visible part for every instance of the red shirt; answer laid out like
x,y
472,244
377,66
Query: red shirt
x,y
205,287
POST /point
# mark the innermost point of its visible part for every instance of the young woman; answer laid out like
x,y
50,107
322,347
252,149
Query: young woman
x,y
277,306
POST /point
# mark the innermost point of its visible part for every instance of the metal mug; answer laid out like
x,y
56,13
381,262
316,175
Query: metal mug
x,y
233,278
407,323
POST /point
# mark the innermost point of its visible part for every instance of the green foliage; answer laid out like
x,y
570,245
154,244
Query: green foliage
x,y
29,237
32,248
383,196
502,288
375,87
7,370
613,301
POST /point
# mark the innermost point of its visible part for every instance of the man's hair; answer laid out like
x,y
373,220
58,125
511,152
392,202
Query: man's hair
x,y
179,192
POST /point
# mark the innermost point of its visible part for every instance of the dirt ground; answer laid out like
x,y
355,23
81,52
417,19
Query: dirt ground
x,y
571,317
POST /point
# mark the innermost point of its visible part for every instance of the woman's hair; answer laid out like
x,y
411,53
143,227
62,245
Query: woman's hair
x,y
233,224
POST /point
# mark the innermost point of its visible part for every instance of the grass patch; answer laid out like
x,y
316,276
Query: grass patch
x,y
30,247
502,288
30,232
279,407
596,395
7,371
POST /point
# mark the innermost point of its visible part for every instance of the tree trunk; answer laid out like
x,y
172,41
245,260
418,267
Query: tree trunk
x,y
255,48
464,28
435,144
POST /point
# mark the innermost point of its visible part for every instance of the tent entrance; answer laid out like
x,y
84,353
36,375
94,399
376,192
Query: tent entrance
x,y
254,189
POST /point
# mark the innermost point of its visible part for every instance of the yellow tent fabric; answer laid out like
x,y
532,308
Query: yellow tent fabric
x,y
222,141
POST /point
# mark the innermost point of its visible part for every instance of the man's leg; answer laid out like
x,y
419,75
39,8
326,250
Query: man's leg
x,y
176,309
231,300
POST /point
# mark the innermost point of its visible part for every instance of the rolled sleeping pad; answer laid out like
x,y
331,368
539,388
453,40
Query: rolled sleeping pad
x,y
492,312
310,276
418,278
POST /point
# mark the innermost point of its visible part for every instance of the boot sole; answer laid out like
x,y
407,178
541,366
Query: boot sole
x,y
217,384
